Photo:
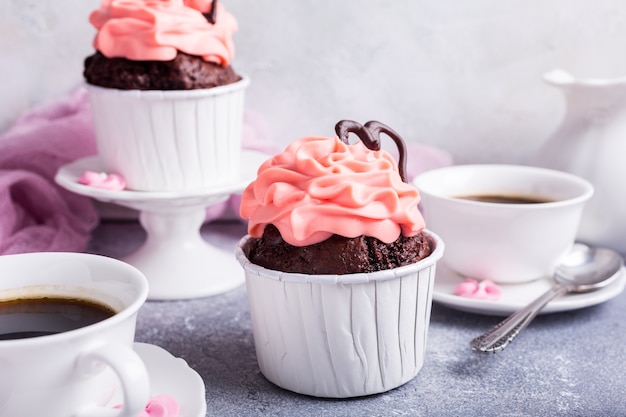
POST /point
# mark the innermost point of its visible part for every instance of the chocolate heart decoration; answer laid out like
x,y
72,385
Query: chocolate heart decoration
x,y
370,137
210,16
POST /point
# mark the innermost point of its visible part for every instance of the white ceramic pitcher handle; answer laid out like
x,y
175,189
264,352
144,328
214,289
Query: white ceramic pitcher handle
x,y
131,371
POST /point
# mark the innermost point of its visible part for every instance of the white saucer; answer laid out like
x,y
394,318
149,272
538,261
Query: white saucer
x,y
172,376
516,296
68,176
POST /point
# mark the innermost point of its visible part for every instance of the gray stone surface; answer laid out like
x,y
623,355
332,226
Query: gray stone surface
x,y
564,364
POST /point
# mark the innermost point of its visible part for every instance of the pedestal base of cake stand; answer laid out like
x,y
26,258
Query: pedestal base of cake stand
x,y
176,260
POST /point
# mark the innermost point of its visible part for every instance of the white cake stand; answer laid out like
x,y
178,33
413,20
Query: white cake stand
x,y
177,261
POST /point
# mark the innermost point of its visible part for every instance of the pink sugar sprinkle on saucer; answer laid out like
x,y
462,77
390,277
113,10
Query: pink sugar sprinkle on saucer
x,y
160,406
102,180
484,290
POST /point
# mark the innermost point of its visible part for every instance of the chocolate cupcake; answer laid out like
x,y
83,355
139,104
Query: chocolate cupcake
x,y
167,104
339,266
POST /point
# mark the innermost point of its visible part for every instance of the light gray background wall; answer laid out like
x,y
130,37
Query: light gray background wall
x,y
463,75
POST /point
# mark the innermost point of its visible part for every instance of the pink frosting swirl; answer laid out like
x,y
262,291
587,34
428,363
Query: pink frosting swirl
x,y
321,186
203,5
155,30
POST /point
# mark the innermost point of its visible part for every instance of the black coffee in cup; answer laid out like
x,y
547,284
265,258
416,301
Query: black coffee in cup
x,y
506,198
32,317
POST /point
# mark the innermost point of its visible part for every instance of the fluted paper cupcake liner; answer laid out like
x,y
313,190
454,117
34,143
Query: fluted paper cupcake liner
x,y
170,140
341,335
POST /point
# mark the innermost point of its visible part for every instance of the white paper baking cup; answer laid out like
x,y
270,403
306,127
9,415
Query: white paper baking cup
x,y
170,140
341,336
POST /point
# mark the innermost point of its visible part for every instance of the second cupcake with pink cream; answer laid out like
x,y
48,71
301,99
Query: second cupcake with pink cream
x,y
167,105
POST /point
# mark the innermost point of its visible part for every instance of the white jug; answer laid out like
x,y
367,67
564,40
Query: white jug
x,y
591,143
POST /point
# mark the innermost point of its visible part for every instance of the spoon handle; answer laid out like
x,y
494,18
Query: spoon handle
x,y
503,333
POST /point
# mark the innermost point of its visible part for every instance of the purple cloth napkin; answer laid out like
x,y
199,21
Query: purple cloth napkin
x,y
37,215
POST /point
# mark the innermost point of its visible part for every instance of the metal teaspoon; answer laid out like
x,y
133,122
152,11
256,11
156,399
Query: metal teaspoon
x,y
583,269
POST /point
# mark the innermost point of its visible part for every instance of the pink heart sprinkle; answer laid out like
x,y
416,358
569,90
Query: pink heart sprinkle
x,y
102,180
159,406
483,290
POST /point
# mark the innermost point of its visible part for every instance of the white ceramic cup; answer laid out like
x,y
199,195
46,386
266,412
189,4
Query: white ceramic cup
x,y
503,242
77,372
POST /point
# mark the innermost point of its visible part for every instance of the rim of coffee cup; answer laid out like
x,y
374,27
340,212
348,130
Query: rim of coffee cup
x,y
125,313
429,183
